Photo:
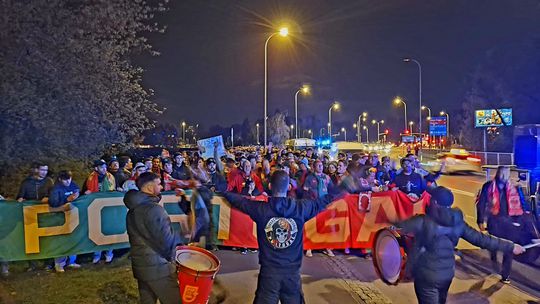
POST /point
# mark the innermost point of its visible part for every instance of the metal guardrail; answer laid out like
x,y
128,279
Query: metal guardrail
x,y
494,158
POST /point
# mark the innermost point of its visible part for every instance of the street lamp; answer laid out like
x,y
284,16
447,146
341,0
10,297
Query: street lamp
x,y
310,133
344,132
282,32
357,128
367,133
361,117
397,101
184,131
334,106
411,123
304,90
428,119
447,125
378,127
257,125
419,94
292,130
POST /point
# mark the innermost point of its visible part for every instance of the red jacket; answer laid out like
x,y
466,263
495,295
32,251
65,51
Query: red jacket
x,y
237,182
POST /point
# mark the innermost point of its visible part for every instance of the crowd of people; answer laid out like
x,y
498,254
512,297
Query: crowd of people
x,y
247,172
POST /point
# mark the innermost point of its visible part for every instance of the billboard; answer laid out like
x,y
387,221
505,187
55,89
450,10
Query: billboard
x,y
408,139
437,126
492,118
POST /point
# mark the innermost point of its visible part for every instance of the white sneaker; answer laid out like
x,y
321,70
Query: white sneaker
x,y
329,252
108,259
96,260
74,266
347,251
309,254
58,268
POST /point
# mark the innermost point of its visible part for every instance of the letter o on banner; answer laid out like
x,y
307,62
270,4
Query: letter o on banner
x,y
94,221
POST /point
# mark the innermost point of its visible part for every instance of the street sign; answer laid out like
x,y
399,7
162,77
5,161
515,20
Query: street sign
x,y
437,126
408,138
492,118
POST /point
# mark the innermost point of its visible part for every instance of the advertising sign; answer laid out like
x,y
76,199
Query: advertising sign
x,y
206,146
437,126
408,138
492,118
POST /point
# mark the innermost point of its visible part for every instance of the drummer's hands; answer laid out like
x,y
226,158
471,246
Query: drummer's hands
x,y
518,249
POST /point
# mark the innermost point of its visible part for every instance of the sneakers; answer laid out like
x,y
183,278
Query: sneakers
x,y
96,260
108,259
59,268
309,254
243,251
253,250
505,281
329,252
347,251
74,266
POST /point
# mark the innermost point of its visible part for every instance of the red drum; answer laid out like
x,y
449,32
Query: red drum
x,y
390,255
197,270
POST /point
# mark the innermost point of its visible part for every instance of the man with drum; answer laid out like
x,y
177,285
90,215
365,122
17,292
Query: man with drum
x,y
280,226
435,235
153,242
502,204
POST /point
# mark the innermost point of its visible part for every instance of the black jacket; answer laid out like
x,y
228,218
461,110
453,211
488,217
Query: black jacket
x,y
60,193
152,239
436,235
34,189
280,228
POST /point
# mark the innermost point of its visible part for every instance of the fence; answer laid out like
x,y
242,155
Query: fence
x,y
494,158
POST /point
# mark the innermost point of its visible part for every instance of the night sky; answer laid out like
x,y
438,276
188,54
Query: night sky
x,y
211,66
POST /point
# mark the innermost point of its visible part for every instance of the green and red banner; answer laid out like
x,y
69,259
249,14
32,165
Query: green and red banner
x,y
94,222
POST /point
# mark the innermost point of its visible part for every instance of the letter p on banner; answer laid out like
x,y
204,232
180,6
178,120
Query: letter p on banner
x,y
32,231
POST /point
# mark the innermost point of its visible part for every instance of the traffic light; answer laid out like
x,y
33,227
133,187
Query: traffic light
x,y
386,131
406,131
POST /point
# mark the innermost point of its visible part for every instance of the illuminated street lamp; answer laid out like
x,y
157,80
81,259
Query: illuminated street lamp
x,y
419,94
397,101
310,133
367,133
257,125
428,119
344,132
447,125
292,130
282,32
378,127
184,131
334,106
304,90
411,123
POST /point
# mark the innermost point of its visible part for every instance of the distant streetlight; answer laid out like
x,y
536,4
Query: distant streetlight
x,y
257,125
344,132
447,125
292,130
310,133
419,94
367,133
304,90
378,127
282,32
411,123
428,119
397,101
334,106
184,131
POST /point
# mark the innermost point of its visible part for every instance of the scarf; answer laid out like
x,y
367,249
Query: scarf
x,y
107,184
512,197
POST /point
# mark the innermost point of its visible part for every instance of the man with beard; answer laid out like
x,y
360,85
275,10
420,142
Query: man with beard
x,y
36,186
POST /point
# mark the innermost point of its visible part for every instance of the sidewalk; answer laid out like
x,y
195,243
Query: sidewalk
x,y
350,279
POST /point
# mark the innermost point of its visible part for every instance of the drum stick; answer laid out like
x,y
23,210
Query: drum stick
x,y
531,245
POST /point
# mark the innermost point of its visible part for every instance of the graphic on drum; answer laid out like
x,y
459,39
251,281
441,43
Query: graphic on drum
x,y
389,257
197,269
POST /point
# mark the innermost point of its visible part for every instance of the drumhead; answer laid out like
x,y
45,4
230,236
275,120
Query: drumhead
x,y
387,256
195,260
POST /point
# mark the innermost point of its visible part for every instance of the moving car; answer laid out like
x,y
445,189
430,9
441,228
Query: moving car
x,y
457,160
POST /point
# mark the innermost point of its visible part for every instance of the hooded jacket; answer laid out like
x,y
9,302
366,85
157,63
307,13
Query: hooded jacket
x,y
280,228
436,235
60,193
152,239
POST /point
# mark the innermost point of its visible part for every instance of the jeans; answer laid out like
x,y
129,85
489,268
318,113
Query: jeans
x,y
108,254
272,288
431,293
165,289
65,261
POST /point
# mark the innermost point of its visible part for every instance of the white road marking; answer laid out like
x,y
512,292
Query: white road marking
x,y
457,191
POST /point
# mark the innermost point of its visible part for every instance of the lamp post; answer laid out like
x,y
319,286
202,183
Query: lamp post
x,y
411,123
361,118
334,106
310,133
184,131
378,127
419,94
344,133
292,131
355,126
257,125
428,118
321,132
304,90
367,133
397,101
283,32
447,125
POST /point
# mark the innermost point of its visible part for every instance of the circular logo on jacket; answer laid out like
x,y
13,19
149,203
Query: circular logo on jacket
x,y
281,232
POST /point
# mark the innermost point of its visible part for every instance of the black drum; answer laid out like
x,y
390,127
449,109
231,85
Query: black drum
x,y
390,250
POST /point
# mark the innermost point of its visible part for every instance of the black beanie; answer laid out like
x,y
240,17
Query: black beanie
x,y
443,196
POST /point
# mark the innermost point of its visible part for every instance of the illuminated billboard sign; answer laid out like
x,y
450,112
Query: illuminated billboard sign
x,y
493,118
437,126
